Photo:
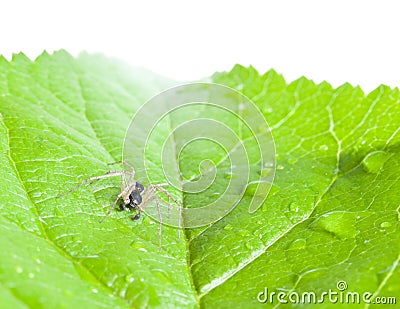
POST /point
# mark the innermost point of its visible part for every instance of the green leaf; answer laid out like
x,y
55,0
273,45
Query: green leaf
x,y
332,213
63,120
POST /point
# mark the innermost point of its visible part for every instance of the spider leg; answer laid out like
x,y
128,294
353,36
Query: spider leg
x,y
170,197
124,163
160,220
131,173
161,189
93,179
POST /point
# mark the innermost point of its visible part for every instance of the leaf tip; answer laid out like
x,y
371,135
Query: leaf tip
x,y
20,58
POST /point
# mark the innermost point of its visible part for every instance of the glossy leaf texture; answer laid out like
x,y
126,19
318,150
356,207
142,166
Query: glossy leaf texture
x,y
63,120
332,214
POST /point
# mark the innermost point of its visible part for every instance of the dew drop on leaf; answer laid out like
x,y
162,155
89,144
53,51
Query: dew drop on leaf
x,y
228,175
228,227
129,278
161,275
266,172
268,164
138,245
323,147
258,188
386,224
292,160
298,244
339,223
244,233
280,167
249,245
374,161
294,206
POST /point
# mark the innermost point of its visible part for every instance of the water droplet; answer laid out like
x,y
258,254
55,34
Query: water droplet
x,y
363,142
323,147
266,172
298,244
241,106
38,261
294,206
274,190
339,223
95,291
129,279
161,275
141,279
386,224
268,164
138,245
228,227
76,239
292,160
280,167
228,175
19,269
31,275
244,233
336,171
258,234
374,161
259,188
249,245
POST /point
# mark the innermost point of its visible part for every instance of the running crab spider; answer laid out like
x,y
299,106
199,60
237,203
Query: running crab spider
x,y
130,194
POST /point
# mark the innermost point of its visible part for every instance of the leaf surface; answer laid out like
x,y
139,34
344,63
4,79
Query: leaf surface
x,y
332,213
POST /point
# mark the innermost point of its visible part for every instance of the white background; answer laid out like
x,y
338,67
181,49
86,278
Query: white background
x,y
338,41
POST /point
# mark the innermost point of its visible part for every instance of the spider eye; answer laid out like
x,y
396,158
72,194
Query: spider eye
x,y
139,187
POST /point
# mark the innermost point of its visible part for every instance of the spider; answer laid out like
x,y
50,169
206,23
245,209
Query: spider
x,y
130,194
